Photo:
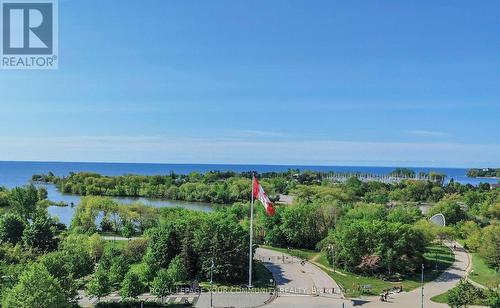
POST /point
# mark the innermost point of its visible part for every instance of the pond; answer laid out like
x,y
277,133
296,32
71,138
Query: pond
x,y
66,213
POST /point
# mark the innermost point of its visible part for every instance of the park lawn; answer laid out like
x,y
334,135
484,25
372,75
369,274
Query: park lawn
x,y
115,244
483,274
437,259
441,298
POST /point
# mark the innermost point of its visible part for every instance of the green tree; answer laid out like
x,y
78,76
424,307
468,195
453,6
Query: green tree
x,y
128,229
135,249
177,270
96,246
39,235
300,226
36,288
42,193
163,284
489,247
222,238
11,228
355,187
76,249
463,295
493,298
405,214
403,172
472,233
164,244
4,197
23,201
131,286
359,241
118,270
58,266
99,285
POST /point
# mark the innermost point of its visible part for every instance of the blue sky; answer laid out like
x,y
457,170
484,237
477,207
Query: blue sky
x,y
277,82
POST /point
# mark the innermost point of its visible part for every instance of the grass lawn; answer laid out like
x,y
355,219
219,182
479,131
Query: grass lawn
x,y
437,258
441,298
483,274
116,244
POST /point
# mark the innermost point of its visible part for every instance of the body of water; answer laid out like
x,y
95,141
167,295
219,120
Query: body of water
x,y
14,174
66,213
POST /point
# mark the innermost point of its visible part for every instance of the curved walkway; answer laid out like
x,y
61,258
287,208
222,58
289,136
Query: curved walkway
x,y
446,281
300,284
295,277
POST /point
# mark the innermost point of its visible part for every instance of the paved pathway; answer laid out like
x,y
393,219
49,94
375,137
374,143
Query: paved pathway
x,y
300,284
443,283
296,277
118,238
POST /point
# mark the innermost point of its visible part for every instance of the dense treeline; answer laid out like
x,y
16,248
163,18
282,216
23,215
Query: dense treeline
x,y
42,263
28,233
213,187
487,172
193,236
229,187
370,228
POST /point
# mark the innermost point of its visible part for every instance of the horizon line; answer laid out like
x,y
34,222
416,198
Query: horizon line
x,y
236,164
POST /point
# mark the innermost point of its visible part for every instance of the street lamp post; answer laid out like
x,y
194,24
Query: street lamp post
x,y
332,252
422,281
211,282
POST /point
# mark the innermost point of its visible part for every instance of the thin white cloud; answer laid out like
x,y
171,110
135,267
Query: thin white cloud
x,y
260,133
207,150
427,133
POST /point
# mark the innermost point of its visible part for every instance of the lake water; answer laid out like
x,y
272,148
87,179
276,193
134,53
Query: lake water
x,y
14,174
65,214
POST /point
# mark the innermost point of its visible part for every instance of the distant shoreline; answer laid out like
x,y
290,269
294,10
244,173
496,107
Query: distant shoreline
x,y
485,177
360,164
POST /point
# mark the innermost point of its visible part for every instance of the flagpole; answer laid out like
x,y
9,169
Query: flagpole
x,y
251,236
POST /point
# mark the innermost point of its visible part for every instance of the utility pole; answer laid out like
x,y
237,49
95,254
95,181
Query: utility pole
x,y
422,280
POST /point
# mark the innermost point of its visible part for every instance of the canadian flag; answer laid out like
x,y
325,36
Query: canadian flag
x,y
259,193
